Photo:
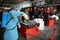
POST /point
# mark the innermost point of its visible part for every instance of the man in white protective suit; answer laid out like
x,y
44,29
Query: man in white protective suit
x,y
41,22
55,16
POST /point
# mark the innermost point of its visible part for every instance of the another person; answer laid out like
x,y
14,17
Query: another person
x,y
35,12
11,32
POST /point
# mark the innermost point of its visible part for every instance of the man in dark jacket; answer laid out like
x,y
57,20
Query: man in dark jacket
x,y
35,12
47,13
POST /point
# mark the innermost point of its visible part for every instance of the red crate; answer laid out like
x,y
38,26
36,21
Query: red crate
x,y
29,32
51,22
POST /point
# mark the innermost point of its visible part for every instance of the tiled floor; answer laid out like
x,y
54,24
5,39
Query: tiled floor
x,y
42,36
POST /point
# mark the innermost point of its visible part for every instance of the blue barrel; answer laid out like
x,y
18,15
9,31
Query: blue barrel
x,y
4,19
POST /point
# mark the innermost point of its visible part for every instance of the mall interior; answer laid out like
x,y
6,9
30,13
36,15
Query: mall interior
x,y
29,19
